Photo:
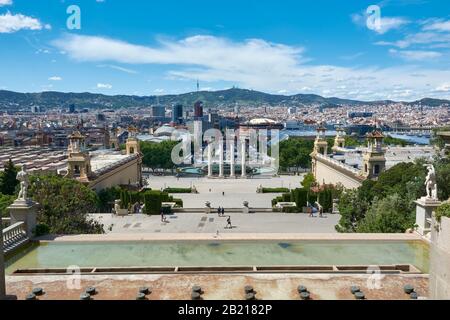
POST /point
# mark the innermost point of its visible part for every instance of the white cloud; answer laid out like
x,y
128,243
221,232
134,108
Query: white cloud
x,y
261,65
438,25
386,23
104,86
415,55
10,23
420,38
55,78
390,23
445,87
5,3
126,70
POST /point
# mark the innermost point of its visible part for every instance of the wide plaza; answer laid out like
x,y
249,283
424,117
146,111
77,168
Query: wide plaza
x,y
227,193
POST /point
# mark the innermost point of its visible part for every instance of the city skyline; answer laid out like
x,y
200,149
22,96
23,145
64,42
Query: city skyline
x,y
145,49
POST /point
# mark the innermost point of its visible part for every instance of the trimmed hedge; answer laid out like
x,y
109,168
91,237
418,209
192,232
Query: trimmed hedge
x,y
275,190
291,210
178,190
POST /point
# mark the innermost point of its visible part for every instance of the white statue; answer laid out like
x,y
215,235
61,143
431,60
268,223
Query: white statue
x,y
430,183
22,176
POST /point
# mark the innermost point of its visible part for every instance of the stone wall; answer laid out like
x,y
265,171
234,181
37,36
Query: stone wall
x,y
440,260
328,173
123,175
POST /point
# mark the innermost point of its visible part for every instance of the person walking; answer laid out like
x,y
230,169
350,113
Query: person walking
x,y
219,211
229,225
223,212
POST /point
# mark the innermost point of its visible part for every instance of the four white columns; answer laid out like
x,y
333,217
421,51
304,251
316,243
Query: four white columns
x,y
232,160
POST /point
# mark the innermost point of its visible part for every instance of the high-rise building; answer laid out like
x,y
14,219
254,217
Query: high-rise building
x,y
198,110
158,111
72,108
177,113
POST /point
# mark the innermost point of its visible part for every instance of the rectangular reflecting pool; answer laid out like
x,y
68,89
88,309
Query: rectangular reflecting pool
x,y
220,253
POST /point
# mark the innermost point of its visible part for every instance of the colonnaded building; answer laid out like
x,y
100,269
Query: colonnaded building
x,y
351,166
104,168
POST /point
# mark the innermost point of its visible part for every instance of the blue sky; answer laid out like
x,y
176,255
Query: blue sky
x,y
162,47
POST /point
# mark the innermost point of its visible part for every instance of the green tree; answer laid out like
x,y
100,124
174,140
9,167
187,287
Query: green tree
x,y
295,153
352,209
443,211
64,205
308,181
388,215
5,202
391,141
443,178
404,180
158,155
8,181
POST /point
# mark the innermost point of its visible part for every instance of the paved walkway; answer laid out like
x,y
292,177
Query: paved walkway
x,y
263,222
236,190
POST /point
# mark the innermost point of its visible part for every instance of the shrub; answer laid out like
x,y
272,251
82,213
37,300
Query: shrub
x,y
286,197
152,202
178,190
443,211
275,190
276,200
41,230
179,202
291,210
300,197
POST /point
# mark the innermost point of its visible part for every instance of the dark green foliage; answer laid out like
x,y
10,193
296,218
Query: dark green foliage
x,y
312,197
385,205
286,197
295,153
300,197
443,211
41,230
351,141
275,190
178,190
153,201
388,215
179,202
106,198
8,181
443,178
5,202
290,210
325,198
158,155
64,205
390,141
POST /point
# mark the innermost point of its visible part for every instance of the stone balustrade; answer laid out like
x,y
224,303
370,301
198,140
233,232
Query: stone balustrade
x,y
344,166
14,235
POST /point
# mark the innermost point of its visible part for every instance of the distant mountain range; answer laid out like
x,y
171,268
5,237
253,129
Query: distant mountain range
x,y
15,101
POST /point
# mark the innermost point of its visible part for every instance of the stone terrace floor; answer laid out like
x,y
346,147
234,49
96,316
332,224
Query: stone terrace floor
x,y
183,222
236,190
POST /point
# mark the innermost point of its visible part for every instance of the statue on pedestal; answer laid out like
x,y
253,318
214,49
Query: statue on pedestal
x,y
430,183
22,176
